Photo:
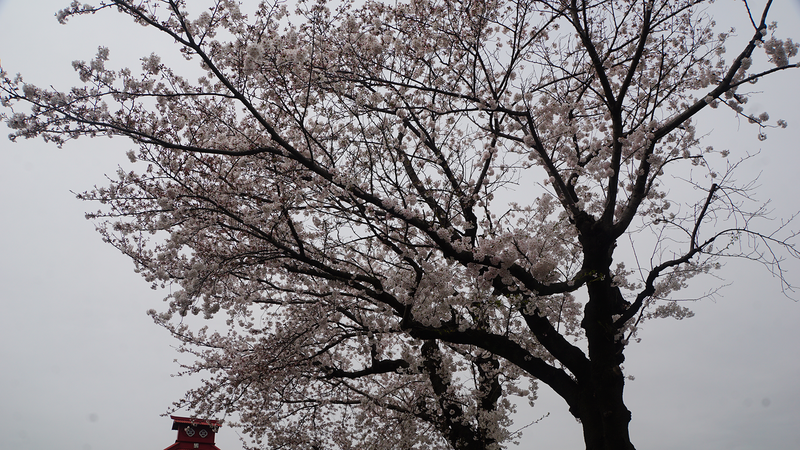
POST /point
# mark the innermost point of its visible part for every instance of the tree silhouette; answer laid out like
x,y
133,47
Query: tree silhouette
x,y
409,214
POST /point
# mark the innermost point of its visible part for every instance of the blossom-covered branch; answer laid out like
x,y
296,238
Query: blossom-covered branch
x,y
409,214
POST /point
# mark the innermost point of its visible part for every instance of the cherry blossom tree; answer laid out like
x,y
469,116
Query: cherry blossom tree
x,y
410,215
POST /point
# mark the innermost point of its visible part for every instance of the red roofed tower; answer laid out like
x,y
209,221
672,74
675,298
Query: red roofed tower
x,y
194,434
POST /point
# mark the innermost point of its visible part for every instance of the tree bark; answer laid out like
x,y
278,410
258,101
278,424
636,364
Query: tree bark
x,y
603,413
604,416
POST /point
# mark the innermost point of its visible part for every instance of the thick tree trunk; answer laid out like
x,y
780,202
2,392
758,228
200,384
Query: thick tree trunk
x,y
604,416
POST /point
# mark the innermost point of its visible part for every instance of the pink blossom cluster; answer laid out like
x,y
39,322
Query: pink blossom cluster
x,y
394,220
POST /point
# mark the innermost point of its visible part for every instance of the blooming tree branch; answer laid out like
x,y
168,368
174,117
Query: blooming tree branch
x,y
409,214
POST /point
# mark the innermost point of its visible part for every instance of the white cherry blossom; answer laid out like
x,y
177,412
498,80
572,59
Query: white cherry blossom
x,y
409,215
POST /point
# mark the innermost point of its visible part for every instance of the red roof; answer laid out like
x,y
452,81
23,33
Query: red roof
x,y
194,421
194,434
191,446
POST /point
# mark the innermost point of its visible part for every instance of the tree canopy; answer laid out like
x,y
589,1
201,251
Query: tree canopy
x,y
410,214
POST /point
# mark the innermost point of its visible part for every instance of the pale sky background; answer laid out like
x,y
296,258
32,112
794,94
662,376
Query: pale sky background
x,y
82,367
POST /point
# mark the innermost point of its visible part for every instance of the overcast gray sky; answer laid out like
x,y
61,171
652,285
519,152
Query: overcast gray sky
x,y
83,368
